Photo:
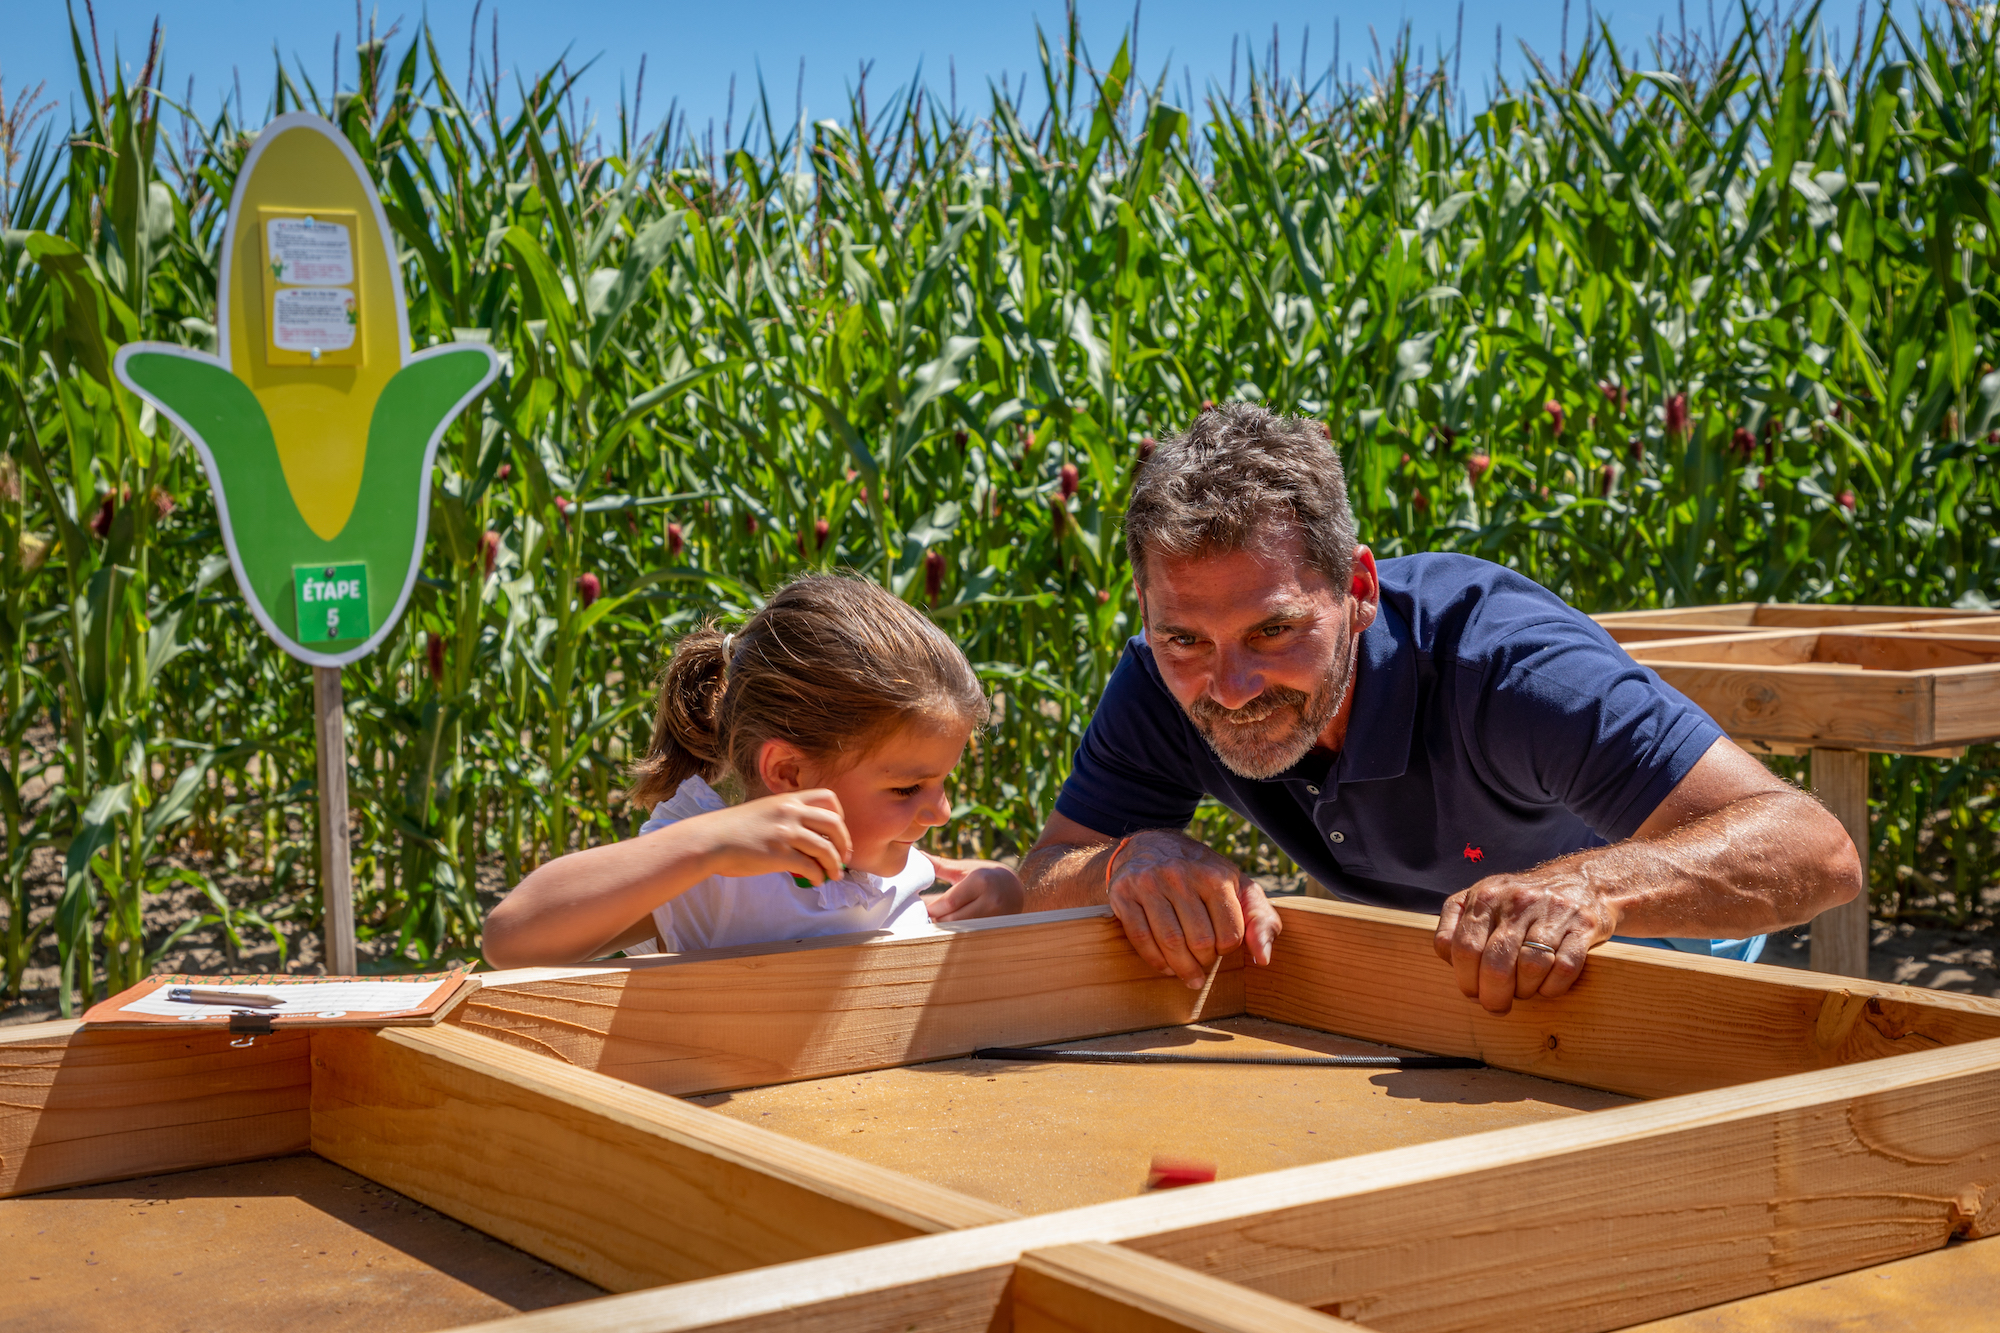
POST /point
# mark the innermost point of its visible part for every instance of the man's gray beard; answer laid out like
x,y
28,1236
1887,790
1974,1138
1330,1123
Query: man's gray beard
x,y
1273,731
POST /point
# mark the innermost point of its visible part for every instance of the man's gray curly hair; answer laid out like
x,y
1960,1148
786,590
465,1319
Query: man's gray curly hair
x,y
1239,479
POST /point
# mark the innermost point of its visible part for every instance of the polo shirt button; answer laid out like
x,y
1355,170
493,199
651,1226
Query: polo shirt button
x,y
1311,790
1337,836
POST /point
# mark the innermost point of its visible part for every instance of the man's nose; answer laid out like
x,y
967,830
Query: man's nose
x,y
1237,680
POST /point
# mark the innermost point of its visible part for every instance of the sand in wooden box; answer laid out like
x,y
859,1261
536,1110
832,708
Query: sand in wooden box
x,y
1035,1138
292,1243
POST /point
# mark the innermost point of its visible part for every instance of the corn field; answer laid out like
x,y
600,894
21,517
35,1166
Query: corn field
x,y
1703,322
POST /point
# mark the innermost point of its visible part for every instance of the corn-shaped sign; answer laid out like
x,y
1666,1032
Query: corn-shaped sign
x,y
316,422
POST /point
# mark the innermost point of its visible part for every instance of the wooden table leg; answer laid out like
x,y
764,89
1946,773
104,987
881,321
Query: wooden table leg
x,y
1840,935
335,877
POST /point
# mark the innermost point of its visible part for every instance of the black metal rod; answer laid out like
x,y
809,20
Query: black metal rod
x,y
1048,1056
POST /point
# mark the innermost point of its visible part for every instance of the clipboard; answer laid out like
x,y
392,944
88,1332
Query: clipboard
x,y
419,1000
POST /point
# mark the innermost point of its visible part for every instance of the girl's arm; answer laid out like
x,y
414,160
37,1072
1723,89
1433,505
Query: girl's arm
x,y
590,903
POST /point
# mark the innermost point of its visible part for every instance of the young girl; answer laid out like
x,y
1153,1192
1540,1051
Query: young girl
x,y
839,711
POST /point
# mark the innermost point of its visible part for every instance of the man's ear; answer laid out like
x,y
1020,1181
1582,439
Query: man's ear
x,y
1365,591
783,767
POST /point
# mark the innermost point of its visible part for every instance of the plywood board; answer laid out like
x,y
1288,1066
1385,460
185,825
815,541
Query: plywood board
x,y
78,1107
1036,1138
739,1018
623,1187
1644,1022
293,1243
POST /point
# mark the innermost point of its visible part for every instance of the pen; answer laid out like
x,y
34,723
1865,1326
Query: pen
x,y
219,995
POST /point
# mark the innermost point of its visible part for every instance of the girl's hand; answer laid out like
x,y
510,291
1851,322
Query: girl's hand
x,y
978,888
800,832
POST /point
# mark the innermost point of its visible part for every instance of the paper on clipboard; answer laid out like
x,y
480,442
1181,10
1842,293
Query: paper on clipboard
x,y
320,999
302,1001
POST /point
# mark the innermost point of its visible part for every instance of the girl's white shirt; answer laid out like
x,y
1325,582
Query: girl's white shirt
x,y
723,910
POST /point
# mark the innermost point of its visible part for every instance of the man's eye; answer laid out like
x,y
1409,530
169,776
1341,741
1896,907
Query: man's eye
x,y
1183,640
1273,631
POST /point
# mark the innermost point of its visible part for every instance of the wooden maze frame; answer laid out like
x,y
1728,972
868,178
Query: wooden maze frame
x,y
1836,683
1797,1126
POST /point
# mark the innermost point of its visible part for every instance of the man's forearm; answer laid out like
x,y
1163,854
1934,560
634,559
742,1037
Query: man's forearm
x,y
1758,864
1064,875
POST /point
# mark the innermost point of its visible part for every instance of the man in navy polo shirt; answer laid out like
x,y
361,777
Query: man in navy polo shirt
x,y
1438,734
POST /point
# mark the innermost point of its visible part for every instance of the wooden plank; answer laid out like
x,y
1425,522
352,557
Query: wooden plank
x,y
1812,615
1984,626
1589,1224
1788,615
1968,703
1740,614
1908,652
623,1187
1096,1288
1840,934
1646,1022
1649,634
1794,751
78,1107
1755,648
1673,1205
747,1017
1831,706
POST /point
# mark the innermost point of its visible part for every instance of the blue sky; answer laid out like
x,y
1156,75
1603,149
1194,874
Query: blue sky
x,y
692,50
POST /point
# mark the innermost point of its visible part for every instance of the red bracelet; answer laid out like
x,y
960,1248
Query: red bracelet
x,y
1114,860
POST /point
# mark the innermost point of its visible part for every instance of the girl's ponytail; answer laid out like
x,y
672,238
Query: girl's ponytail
x,y
829,664
686,738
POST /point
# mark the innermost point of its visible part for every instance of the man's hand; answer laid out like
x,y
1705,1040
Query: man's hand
x,y
1513,937
978,888
1732,851
1183,906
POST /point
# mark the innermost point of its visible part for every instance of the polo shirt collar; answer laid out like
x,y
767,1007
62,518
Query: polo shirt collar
x,y
1383,717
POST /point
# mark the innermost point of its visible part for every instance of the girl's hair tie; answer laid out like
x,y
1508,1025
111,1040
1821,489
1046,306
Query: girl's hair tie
x,y
728,641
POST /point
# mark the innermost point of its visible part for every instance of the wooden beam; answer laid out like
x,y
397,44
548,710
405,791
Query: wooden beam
x,y
1645,1022
1823,704
1762,648
747,1017
1582,1225
1741,615
80,1107
621,1186
1789,615
1840,934
1096,1288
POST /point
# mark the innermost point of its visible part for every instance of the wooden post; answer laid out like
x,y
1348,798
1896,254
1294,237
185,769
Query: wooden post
x,y
335,880
1840,935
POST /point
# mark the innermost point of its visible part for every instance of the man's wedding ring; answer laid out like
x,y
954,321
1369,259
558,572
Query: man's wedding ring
x,y
1548,949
